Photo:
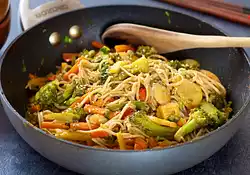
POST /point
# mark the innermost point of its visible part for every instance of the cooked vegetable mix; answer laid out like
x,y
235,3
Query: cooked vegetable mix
x,y
127,98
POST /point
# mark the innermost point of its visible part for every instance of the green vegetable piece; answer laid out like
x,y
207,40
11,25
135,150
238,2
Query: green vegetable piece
x,y
186,129
71,100
190,63
68,91
47,94
105,50
206,114
145,51
142,121
168,15
217,100
140,105
62,117
67,40
104,71
140,65
116,106
115,69
175,64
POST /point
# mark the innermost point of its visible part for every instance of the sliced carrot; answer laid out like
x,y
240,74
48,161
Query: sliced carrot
x,y
142,94
54,125
82,126
74,69
94,109
35,108
97,44
97,134
69,56
152,142
181,122
123,48
140,144
127,113
79,100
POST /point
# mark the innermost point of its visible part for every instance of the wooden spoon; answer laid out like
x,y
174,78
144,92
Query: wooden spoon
x,y
165,41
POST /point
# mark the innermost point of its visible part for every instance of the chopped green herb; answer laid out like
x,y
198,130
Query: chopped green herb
x,y
24,69
105,50
67,40
168,15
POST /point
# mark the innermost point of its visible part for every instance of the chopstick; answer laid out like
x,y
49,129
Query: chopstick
x,y
217,8
230,6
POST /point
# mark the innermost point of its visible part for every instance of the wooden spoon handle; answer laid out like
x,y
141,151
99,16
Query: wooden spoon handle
x,y
194,41
167,41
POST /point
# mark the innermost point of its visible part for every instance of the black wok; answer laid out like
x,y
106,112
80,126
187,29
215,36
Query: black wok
x,y
33,46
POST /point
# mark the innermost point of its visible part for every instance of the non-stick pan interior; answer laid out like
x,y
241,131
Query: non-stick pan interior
x,y
32,53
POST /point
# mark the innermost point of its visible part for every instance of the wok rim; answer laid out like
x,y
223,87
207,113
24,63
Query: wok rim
x,y
242,51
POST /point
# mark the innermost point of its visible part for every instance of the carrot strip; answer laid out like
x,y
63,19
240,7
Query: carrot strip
x,y
100,102
97,44
54,125
79,100
101,134
94,109
82,126
74,69
123,48
140,144
127,113
181,122
142,94
69,56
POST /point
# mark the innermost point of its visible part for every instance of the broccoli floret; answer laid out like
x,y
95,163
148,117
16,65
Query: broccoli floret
x,y
105,50
174,64
47,95
88,54
143,122
145,51
186,64
205,115
217,100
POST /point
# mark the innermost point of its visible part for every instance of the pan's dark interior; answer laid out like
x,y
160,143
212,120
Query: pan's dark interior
x,y
32,47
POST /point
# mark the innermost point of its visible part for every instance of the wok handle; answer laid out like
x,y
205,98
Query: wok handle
x,y
30,17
